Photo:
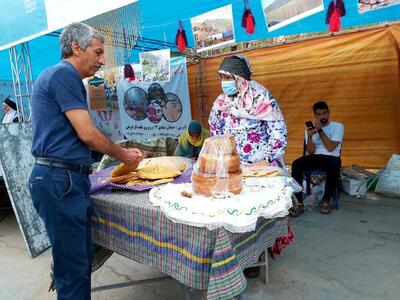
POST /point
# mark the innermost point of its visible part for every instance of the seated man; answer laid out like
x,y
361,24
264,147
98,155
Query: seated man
x,y
323,142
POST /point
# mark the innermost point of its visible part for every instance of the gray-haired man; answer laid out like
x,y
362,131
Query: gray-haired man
x,y
63,135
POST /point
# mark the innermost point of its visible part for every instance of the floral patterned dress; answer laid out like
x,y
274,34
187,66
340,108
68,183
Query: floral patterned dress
x,y
262,137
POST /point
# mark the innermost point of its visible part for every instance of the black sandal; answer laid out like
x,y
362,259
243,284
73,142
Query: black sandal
x,y
297,210
325,208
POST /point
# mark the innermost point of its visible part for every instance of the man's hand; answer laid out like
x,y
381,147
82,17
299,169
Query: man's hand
x,y
130,156
329,144
317,124
311,132
96,140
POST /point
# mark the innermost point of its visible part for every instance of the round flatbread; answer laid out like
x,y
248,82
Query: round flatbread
x,y
154,172
122,178
150,182
123,169
262,172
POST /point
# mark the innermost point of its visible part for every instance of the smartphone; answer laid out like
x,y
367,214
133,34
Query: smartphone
x,y
309,125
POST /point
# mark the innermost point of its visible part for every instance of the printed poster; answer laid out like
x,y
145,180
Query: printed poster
x,y
213,29
155,65
107,121
155,109
368,5
279,13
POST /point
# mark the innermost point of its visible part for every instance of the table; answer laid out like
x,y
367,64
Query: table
x,y
212,260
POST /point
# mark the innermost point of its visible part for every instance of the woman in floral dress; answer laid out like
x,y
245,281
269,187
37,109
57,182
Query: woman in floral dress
x,y
250,113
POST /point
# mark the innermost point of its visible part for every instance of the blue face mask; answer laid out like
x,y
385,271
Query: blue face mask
x,y
229,87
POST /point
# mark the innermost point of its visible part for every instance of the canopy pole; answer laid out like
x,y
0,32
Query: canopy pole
x,y
21,72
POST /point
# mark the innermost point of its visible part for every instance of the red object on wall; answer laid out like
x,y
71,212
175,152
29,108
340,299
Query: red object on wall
x,y
334,21
335,11
180,39
248,20
129,73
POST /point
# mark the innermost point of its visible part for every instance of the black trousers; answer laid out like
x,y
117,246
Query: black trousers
x,y
327,163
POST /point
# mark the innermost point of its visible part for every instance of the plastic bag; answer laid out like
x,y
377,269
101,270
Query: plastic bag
x,y
217,171
389,181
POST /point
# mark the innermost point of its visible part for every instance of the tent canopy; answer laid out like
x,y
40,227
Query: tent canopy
x,y
357,74
160,22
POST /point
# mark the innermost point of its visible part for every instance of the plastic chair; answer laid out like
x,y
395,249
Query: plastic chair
x,y
307,177
336,192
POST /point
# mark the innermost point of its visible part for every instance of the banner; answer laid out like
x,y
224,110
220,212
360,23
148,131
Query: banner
x,y
158,109
23,20
281,13
107,121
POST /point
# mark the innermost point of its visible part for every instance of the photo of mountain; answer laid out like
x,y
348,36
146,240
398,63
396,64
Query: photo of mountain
x,y
155,65
279,13
368,5
213,29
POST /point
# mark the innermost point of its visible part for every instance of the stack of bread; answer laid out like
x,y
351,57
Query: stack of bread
x,y
123,173
217,171
151,174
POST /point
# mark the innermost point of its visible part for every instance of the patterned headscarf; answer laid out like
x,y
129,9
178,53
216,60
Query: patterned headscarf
x,y
237,65
252,101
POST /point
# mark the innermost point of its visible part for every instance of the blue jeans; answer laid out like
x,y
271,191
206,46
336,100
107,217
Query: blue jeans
x,y
61,198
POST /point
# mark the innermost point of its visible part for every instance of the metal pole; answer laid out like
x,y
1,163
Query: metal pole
x,y
21,73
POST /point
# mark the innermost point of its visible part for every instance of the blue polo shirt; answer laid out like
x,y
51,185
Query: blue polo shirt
x,y
58,89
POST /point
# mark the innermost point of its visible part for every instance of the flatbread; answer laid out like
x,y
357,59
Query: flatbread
x,y
262,172
150,182
182,167
123,169
175,162
133,177
122,178
156,171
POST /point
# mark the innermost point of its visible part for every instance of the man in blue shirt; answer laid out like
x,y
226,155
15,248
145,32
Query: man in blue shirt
x,y
63,136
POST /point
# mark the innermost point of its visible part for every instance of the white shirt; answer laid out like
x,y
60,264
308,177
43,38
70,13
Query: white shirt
x,y
334,131
10,116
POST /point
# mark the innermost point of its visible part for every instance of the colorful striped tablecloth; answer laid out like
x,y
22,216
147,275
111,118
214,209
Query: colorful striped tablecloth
x,y
212,260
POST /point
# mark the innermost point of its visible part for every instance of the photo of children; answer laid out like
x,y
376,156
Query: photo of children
x,y
172,110
136,103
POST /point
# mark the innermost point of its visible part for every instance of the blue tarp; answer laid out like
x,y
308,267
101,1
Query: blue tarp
x,y
13,15
160,22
